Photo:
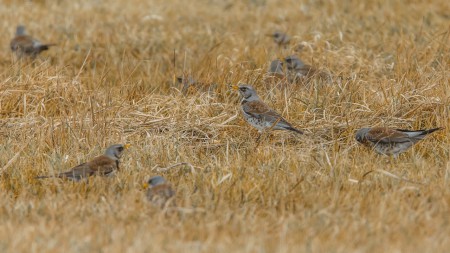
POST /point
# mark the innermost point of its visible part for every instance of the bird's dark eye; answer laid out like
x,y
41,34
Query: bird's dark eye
x,y
120,149
243,89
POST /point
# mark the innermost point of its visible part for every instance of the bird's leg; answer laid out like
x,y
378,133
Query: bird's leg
x,y
263,132
260,133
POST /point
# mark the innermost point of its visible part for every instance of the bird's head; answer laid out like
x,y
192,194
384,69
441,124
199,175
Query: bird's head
x,y
115,151
246,91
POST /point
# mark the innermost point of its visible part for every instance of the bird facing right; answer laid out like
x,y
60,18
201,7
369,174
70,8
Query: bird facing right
x,y
101,165
258,114
390,141
25,45
159,192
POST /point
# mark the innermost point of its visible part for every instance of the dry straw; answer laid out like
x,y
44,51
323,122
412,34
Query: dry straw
x,y
111,79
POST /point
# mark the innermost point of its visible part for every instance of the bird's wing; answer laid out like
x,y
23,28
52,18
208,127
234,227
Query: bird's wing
x,y
78,172
387,135
103,165
259,109
23,42
164,191
307,70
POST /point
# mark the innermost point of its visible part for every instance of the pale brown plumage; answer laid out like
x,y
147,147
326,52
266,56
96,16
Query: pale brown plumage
x,y
298,71
159,192
25,45
258,114
390,141
101,165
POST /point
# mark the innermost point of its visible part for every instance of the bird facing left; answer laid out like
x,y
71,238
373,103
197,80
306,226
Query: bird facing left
x,y
24,45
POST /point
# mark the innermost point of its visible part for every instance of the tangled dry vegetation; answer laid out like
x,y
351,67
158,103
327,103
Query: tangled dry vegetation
x,y
111,79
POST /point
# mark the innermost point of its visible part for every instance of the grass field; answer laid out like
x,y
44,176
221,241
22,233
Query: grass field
x,y
111,79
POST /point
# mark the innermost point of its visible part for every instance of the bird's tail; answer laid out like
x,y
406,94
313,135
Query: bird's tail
x,y
294,130
45,47
42,177
419,134
429,131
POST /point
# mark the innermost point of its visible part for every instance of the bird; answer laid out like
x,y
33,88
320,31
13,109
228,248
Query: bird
x,y
159,192
187,83
276,68
297,69
280,38
258,114
25,45
190,85
102,165
389,141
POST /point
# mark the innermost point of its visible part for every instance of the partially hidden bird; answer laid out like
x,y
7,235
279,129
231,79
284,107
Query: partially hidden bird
x,y
389,141
159,191
102,165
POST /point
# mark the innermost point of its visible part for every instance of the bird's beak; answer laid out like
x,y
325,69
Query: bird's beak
x,y
235,87
126,146
145,185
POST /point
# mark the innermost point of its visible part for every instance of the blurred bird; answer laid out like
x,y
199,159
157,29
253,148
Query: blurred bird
x,y
25,45
389,141
101,165
190,85
276,68
299,71
258,114
186,82
280,38
159,192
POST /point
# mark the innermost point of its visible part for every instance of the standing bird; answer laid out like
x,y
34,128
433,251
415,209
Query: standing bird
x,y
388,141
159,192
101,165
260,115
25,45
280,38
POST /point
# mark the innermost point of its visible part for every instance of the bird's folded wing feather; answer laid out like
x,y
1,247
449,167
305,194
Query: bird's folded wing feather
x,y
387,135
82,170
259,109
163,190
103,165
25,42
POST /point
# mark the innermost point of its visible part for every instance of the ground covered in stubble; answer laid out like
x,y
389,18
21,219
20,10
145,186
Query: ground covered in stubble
x,y
111,79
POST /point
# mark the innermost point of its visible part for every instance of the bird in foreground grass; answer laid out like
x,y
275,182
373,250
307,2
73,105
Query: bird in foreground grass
x,y
25,45
101,165
258,114
388,141
159,192
190,85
